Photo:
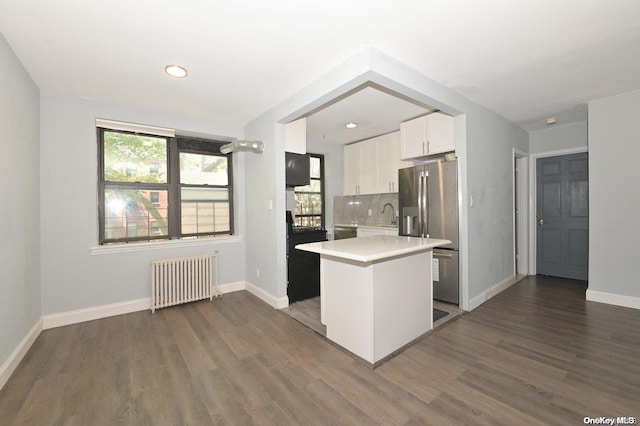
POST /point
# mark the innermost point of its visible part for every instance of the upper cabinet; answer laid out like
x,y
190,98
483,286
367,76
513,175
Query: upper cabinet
x,y
427,135
371,166
295,136
359,165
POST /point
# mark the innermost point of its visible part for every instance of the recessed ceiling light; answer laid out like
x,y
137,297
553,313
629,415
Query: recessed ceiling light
x,y
551,120
175,71
351,125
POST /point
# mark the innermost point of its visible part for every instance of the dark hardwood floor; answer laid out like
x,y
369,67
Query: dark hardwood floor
x,y
537,353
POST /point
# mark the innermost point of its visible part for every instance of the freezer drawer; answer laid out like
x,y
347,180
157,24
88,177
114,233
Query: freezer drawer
x,y
445,275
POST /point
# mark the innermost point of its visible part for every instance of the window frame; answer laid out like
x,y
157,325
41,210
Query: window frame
x,y
322,191
202,147
172,186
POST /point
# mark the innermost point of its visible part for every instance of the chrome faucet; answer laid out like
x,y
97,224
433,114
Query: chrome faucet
x,y
393,212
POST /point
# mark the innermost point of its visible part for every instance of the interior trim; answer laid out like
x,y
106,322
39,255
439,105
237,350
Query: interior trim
x,y
163,244
9,366
613,299
135,128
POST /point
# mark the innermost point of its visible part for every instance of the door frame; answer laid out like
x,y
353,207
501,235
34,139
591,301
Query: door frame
x,y
520,223
533,206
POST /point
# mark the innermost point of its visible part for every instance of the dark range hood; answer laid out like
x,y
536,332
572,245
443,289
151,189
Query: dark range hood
x,y
297,169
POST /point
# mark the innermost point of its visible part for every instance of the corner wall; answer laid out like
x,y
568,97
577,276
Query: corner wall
x,y
20,212
75,278
614,200
558,138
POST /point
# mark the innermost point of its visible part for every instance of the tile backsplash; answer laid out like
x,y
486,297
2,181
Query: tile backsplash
x,y
354,209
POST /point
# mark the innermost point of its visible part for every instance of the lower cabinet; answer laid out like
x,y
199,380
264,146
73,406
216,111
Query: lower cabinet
x,y
365,231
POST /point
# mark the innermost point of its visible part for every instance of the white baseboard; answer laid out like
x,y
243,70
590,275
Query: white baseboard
x,y
231,287
19,352
94,313
492,291
613,299
104,311
268,298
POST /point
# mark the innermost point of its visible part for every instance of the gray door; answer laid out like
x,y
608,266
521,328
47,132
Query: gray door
x,y
562,199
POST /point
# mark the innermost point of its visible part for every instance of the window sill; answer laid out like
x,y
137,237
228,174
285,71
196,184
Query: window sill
x,y
162,245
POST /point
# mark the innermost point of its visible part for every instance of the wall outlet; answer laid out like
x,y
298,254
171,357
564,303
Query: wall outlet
x,y
369,212
257,272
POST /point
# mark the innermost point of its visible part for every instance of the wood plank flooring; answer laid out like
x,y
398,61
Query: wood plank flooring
x,y
537,353
307,312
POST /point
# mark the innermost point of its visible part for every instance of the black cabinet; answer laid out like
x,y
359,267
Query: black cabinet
x,y
303,267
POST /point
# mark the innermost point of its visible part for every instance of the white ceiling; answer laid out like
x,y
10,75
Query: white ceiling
x,y
375,112
526,60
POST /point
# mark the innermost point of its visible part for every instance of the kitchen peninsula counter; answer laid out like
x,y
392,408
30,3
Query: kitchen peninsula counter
x,y
373,248
376,292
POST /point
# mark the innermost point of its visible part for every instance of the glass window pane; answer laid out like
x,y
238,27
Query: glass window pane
x,y
134,158
205,210
314,186
308,204
314,166
131,213
199,169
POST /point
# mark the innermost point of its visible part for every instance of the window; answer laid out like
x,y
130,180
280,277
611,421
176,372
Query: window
x,y
158,187
310,198
154,196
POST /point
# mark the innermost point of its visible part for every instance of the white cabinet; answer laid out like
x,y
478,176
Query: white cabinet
x,y
427,135
440,133
365,231
413,136
371,166
295,136
359,168
387,158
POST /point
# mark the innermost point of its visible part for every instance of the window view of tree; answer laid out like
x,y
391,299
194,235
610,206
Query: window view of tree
x,y
129,210
310,198
137,202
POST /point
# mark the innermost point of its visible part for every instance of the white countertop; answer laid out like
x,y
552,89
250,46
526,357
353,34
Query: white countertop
x,y
372,248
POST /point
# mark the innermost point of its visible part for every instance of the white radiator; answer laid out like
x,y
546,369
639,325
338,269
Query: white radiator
x,y
183,279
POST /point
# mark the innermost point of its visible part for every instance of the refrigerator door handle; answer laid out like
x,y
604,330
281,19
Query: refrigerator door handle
x,y
426,204
420,223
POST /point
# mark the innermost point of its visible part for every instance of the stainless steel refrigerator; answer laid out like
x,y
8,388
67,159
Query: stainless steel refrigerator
x,y
428,208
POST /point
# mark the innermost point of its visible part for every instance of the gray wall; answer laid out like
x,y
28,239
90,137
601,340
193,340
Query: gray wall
x,y
558,138
266,206
614,197
19,198
73,278
490,143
